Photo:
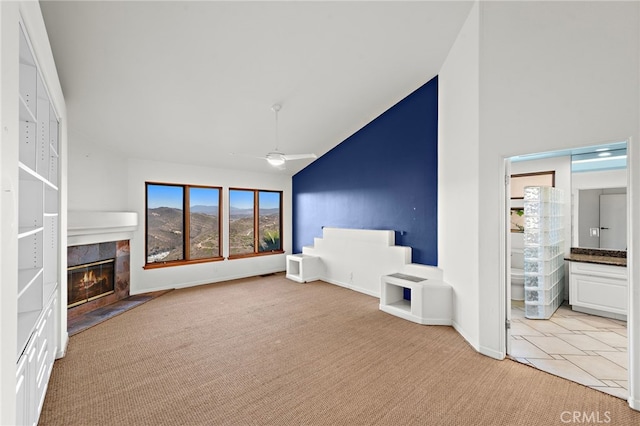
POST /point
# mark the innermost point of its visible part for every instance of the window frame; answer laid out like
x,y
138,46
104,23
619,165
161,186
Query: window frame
x,y
186,224
256,224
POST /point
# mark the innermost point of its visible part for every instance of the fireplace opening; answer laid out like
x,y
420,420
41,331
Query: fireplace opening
x,y
90,281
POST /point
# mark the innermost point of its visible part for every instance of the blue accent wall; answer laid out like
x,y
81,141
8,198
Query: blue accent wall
x,y
385,176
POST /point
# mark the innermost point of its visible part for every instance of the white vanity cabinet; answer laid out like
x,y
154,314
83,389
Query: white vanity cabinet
x,y
599,289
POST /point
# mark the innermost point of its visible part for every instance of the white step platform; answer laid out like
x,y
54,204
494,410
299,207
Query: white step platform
x,y
303,268
357,258
431,298
368,261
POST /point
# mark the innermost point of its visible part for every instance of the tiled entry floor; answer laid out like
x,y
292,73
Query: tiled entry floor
x,y
586,349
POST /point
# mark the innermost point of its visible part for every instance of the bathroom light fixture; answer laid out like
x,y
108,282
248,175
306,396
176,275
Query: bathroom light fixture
x,y
610,156
589,160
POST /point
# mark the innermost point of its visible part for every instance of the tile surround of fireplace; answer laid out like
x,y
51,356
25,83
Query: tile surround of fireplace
x,y
95,254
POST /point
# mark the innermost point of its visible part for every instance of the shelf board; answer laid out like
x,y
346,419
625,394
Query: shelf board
x,y
50,185
399,280
403,305
26,232
26,277
27,173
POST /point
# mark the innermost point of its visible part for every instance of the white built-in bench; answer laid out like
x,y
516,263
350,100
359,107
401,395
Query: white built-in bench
x,y
431,300
358,258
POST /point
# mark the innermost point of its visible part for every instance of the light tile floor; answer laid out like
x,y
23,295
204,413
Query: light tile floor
x,y
584,348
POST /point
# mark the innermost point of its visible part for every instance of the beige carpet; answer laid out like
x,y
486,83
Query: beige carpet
x,y
268,351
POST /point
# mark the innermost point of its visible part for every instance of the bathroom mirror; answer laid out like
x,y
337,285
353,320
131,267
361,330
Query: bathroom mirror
x,y
599,200
601,218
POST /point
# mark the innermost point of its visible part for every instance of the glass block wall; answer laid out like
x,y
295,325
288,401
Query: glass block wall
x,y
543,251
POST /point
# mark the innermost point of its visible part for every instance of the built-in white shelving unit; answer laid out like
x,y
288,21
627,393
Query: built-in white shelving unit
x,y
38,237
543,251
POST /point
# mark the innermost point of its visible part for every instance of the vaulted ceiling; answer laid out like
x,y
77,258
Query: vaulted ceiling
x,y
194,82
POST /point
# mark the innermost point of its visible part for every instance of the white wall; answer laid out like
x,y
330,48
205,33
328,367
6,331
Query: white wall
x,y
105,181
458,167
551,76
141,171
633,270
547,83
96,176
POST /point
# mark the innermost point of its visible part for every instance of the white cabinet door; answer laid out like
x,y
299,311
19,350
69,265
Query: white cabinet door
x,y
26,394
604,294
21,391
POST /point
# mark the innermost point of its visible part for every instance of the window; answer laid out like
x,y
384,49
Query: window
x,y
255,222
179,235
165,223
204,224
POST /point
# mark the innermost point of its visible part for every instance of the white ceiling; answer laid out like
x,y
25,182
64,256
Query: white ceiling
x,y
192,82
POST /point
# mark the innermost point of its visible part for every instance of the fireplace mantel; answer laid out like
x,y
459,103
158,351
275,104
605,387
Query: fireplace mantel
x,y
89,227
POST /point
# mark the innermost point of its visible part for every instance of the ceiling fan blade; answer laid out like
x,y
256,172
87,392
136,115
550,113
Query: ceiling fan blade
x,y
299,156
236,154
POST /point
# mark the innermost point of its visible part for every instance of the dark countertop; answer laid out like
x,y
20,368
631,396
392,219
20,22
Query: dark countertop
x,y
602,257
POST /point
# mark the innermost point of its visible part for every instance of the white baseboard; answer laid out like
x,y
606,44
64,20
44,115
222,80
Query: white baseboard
x,y
461,332
62,350
492,353
352,287
634,403
204,282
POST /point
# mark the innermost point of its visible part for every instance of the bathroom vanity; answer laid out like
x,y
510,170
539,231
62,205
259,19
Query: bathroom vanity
x,y
598,282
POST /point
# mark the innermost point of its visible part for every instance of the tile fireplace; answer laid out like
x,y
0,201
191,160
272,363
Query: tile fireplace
x,y
97,275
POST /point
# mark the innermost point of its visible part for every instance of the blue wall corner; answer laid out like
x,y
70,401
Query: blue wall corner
x,y
385,176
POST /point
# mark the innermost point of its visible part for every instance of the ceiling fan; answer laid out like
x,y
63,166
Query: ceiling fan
x,y
277,158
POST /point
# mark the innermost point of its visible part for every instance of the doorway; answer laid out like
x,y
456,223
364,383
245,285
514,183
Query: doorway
x,y
584,347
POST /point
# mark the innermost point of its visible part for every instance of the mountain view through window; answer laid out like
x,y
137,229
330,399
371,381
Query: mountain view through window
x,y
169,225
254,221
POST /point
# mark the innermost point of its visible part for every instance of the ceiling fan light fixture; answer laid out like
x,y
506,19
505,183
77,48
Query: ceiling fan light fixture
x,y
275,159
